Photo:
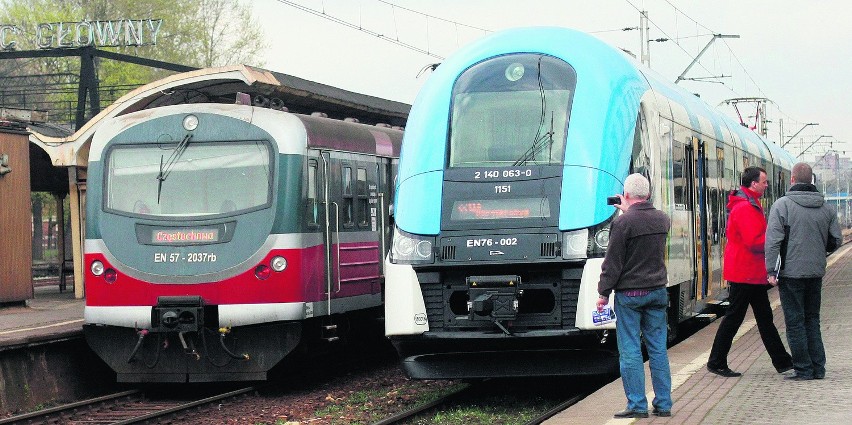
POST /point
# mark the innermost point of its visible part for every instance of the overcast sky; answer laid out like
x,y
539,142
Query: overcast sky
x,y
793,52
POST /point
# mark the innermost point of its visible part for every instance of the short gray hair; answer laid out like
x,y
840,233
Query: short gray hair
x,y
637,186
803,173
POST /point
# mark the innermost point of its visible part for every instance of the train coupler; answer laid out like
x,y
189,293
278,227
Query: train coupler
x,y
178,314
188,348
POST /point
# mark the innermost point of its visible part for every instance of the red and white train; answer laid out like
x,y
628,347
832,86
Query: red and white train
x,y
219,237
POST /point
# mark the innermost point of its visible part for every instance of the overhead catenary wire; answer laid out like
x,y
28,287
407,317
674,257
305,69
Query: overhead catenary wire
x,y
340,21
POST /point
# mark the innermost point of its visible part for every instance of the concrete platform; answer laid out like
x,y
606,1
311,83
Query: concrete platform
x,y
761,395
51,315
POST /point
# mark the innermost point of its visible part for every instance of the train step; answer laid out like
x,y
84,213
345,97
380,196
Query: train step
x,y
329,333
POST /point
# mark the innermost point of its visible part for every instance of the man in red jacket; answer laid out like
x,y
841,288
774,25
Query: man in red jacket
x,y
745,271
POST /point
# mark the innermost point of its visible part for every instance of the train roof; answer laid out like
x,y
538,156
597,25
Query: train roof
x,y
610,84
610,89
722,127
291,132
221,85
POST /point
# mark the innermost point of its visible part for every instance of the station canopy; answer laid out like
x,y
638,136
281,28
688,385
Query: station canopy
x,y
230,84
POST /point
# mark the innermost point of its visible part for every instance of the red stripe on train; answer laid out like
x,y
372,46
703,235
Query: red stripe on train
x,y
302,281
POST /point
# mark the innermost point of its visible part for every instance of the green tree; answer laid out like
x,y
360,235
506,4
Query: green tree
x,y
200,33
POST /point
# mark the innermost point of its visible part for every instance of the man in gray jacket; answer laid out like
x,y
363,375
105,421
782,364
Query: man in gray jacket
x,y
801,229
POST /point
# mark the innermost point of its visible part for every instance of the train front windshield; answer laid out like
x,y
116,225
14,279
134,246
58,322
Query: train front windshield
x,y
198,179
511,111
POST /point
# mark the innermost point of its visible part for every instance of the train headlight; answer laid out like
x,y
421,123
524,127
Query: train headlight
x,y
278,263
97,268
599,238
190,122
411,249
514,72
575,244
602,238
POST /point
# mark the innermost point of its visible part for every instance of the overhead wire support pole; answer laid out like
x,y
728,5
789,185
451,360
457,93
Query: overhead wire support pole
x,y
811,145
694,61
644,43
797,133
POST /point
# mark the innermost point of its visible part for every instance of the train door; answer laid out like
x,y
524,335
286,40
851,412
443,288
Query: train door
x,y
357,244
330,224
703,243
717,202
384,200
694,176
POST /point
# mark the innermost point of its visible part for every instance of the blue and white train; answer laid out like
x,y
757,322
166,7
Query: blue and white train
x,y
501,219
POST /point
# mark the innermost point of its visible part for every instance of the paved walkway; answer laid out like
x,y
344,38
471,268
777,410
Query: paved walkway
x,y
49,315
761,395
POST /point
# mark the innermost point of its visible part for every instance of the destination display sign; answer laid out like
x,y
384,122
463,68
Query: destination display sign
x,y
184,236
498,209
113,33
148,234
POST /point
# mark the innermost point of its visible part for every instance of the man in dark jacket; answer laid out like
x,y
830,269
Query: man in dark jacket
x,y
635,268
745,272
801,229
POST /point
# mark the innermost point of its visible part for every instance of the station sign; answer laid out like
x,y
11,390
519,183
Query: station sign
x,y
115,33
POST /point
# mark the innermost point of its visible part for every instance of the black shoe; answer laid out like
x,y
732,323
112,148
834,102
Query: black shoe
x,y
627,413
819,376
784,369
797,377
724,371
661,413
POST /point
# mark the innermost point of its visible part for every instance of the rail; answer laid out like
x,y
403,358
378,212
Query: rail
x,y
128,407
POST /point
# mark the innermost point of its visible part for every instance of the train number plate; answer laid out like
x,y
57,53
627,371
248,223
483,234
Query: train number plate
x,y
189,257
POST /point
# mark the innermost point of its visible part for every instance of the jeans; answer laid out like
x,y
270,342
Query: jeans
x,y
740,296
800,299
645,315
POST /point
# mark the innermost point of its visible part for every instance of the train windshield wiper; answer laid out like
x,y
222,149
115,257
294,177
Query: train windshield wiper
x,y
166,169
538,145
539,139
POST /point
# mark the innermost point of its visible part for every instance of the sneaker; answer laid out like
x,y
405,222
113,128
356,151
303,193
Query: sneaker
x,y
724,372
661,413
627,413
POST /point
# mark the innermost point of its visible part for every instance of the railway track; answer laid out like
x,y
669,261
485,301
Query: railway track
x,y
127,407
432,405
464,395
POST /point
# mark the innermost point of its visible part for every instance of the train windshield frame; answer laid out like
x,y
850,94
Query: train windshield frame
x,y
511,110
205,179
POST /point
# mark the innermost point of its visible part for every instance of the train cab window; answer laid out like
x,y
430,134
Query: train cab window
x,y
202,179
361,187
346,212
640,159
313,203
511,111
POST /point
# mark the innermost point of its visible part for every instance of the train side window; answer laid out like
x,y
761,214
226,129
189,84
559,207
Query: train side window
x,y
312,204
346,209
678,176
361,187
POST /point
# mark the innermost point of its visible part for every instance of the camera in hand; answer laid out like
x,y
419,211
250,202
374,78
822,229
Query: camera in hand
x,y
613,200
